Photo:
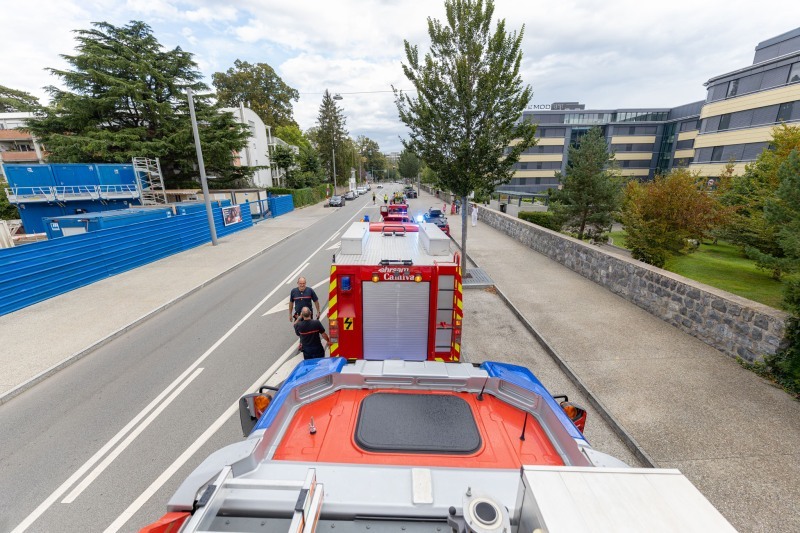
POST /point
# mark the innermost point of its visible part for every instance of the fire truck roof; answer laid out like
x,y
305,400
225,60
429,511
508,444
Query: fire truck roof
x,y
394,242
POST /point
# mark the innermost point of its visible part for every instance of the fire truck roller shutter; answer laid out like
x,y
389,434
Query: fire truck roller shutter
x,y
396,320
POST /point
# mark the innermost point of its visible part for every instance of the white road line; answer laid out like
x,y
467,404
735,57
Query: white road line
x,y
295,274
127,442
334,246
321,283
50,500
126,515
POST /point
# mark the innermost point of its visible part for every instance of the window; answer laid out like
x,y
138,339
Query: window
x,y
785,112
724,122
794,74
733,88
716,154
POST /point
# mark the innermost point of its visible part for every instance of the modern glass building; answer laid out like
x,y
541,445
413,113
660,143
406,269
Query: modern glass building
x,y
734,123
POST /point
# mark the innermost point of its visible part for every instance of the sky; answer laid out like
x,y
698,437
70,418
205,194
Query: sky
x,y
610,54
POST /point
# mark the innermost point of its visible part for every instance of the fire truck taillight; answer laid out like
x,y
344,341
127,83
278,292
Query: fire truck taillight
x,y
333,328
375,278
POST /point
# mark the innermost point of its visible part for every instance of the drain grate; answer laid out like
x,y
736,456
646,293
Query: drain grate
x,y
476,278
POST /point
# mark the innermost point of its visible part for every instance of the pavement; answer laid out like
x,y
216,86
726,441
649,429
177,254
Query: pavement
x,y
686,405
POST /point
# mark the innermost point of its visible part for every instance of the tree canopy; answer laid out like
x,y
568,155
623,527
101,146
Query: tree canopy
x,y
469,100
14,101
408,165
591,188
126,98
260,88
370,150
330,135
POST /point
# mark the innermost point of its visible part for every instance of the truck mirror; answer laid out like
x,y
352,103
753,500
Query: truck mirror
x,y
251,407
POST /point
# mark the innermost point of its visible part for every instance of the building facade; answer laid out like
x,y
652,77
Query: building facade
x,y
734,124
16,145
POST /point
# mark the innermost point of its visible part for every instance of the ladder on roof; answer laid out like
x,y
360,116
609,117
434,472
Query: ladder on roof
x,y
149,180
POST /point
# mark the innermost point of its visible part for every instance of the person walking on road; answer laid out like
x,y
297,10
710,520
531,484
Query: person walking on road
x,y
310,331
385,198
474,214
373,198
300,297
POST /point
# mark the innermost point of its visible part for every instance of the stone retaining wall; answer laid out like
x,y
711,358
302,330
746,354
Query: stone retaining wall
x,y
734,325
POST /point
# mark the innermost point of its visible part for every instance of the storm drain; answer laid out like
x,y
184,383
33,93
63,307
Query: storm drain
x,y
476,278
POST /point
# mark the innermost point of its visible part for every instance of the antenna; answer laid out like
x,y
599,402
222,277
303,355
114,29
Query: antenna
x,y
524,425
480,394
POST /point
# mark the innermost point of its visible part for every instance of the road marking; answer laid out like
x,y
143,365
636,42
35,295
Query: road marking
x,y
296,274
334,246
134,507
50,500
128,440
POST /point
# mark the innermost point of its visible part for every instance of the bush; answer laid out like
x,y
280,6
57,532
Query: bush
x,y
302,197
785,364
540,218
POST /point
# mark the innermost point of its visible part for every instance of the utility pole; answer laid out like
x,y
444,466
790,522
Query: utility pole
x,y
333,151
203,181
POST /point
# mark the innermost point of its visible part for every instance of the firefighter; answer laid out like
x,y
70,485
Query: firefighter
x,y
310,332
301,297
385,198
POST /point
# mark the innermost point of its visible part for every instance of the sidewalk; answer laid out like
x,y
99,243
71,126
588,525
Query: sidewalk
x,y
43,338
733,434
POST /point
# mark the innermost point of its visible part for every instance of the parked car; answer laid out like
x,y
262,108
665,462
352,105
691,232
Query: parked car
x,y
350,195
336,201
436,216
362,190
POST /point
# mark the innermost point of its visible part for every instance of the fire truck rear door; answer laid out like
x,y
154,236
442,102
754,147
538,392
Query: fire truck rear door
x,y
395,321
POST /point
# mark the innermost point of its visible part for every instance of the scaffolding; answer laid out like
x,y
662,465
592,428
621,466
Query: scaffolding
x,y
150,181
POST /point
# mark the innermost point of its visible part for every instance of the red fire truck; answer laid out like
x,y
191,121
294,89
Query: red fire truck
x,y
395,293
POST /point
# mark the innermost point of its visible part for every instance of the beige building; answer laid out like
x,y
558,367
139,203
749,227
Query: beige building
x,y
16,145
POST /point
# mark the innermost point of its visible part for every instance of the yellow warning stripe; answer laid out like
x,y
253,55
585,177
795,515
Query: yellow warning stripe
x,y
457,347
332,308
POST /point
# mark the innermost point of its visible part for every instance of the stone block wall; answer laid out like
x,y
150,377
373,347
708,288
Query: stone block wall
x,y
734,325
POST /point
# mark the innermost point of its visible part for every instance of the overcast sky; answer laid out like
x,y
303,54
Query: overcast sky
x,y
605,54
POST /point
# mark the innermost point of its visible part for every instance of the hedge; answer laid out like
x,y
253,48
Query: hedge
x,y
540,218
302,197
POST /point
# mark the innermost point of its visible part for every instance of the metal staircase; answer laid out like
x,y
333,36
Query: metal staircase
x,y
150,181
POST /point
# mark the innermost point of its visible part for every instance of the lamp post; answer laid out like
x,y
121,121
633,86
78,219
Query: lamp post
x,y
203,182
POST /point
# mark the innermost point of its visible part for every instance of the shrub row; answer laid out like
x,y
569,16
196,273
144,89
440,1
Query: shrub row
x,y
540,218
301,197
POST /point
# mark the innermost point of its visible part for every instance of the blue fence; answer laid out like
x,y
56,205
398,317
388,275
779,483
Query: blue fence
x,y
37,271
280,205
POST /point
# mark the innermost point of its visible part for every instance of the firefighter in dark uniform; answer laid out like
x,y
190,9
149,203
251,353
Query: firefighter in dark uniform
x,y
310,332
301,297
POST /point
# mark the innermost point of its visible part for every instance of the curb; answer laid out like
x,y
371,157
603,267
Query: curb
x,y
19,389
595,402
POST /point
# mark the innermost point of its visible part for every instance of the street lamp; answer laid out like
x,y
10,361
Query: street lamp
x,y
203,182
336,96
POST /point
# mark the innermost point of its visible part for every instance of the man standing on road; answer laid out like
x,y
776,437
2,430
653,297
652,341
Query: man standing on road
x,y
300,297
310,332
373,198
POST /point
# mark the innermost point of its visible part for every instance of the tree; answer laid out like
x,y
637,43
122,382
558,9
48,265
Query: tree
x,y
7,210
283,157
591,188
661,216
330,135
292,135
260,89
470,98
750,193
126,98
408,165
371,152
13,101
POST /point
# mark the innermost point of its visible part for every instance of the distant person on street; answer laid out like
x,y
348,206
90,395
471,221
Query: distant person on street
x,y
385,198
373,198
300,297
474,214
310,332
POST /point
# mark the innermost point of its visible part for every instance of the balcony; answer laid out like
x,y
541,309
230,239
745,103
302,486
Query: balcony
x,y
19,157
15,135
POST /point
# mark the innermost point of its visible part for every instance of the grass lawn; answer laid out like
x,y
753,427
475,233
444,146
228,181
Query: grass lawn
x,y
723,266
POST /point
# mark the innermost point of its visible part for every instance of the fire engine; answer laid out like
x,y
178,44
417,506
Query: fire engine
x,y
395,293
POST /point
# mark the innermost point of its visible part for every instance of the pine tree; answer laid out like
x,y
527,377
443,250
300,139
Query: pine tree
x,y
330,136
126,98
469,101
591,190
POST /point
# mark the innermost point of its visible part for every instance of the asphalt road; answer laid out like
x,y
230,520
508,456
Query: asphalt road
x,y
157,400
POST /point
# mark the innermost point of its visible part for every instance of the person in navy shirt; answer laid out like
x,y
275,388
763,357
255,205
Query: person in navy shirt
x,y
310,332
300,297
